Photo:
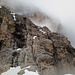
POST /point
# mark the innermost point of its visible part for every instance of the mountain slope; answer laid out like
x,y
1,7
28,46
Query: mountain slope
x,y
22,43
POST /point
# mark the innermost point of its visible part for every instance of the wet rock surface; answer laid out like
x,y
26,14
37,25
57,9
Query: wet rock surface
x,y
22,43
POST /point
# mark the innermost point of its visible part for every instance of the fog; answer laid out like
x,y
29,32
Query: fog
x,y
62,10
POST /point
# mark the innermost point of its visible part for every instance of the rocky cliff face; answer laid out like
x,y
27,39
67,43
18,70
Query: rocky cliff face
x,y
22,43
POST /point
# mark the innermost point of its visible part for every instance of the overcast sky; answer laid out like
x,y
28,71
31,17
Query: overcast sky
x,y
63,10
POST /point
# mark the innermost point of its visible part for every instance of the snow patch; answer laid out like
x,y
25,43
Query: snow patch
x,y
12,71
28,67
14,16
68,74
15,70
42,31
34,37
30,73
0,6
18,49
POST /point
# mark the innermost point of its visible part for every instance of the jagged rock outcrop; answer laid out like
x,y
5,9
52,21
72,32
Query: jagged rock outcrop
x,y
22,43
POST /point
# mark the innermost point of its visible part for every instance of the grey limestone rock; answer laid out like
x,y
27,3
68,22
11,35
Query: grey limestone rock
x,y
48,52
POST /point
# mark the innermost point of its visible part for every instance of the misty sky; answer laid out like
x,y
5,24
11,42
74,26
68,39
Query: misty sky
x,y
63,10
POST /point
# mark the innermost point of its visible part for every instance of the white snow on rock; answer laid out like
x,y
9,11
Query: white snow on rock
x,y
30,73
15,70
14,16
28,67
42,31
18,49
12,71
68,74
0,6
34,37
